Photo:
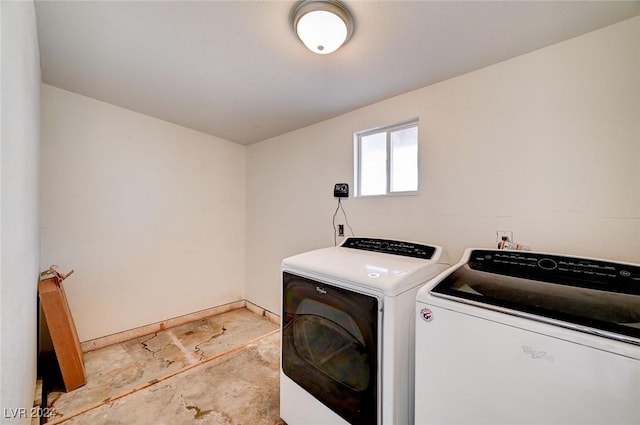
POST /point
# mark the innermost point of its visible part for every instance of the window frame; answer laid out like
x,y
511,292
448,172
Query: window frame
x,y
387,129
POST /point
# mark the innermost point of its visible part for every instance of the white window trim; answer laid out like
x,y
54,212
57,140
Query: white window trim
x,y
413,122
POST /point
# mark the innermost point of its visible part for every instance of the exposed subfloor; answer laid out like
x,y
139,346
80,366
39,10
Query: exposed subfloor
x,y
219,370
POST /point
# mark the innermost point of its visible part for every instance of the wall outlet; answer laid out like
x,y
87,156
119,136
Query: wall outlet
x,y
340,229
504,235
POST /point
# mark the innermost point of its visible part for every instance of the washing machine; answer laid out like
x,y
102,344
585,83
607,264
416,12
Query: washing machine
x,y
348,331
514,337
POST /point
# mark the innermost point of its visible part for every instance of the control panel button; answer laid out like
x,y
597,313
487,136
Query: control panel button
x,y
547,264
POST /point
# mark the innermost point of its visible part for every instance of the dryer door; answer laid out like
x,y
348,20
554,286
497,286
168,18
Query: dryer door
x,y
330,346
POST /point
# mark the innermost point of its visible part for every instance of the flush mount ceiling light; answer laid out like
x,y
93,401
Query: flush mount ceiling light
x,y
322,25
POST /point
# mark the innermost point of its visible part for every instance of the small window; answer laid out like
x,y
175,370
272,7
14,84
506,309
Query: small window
x,y
387,160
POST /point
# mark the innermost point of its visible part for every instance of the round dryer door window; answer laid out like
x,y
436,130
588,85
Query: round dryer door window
x,y
332,350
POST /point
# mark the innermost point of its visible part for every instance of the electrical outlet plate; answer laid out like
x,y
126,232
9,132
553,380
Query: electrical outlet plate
x,y
341,190
502,234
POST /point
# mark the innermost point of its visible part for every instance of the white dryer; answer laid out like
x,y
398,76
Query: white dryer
x,y
348,331
512,337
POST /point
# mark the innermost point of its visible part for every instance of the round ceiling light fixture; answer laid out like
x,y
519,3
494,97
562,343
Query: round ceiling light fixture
x,y
322,25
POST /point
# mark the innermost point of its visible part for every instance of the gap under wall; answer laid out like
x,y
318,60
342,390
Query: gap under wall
x,y
119,337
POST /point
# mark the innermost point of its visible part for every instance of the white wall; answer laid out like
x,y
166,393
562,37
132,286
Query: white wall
x,y
546,145
150,215
19,245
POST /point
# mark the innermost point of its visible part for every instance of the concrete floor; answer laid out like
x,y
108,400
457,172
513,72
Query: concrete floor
x,y
220,370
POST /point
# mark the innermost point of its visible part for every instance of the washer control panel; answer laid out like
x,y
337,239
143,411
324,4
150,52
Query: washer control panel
x,y
577,271
388,246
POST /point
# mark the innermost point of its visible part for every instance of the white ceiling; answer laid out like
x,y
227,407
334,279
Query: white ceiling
x,y
235,69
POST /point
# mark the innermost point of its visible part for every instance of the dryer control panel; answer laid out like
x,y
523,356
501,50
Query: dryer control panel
x,y
596,274
388,246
